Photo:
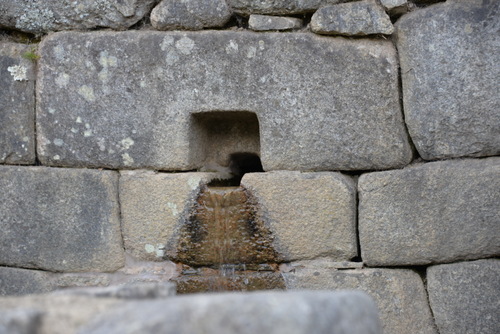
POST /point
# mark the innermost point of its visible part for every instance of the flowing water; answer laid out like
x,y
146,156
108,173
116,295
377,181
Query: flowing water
x,y
225,246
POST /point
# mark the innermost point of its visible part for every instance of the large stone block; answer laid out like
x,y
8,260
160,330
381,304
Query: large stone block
x,y
449,66
464,297
271,312
60,219
154,206
15,281
399,294
44,16
17,105
163,99
309,214
276,7
430,213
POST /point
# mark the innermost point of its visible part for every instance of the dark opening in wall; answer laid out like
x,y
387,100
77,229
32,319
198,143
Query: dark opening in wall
x,y
227,142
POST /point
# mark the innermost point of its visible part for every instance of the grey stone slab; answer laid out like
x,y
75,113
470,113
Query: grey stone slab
x,y
309,214
395,7
449,66
60,219
464,297
19,321
153,207
430,213
270,312
15,281
275,7
134,290
17,105
398,293
143,99
190,14
360,18
40,17
267,22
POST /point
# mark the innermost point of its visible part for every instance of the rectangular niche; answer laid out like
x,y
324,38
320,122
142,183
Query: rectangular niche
x,y
218,136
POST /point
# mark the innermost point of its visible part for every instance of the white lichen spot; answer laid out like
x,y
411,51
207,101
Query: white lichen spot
x,y
142,84
106,60
126,143
468,28
149,248
18,72
59,52
232,47
100,143
262,45
51,110
56,157
87,133
166,43
74,130
58,142
62,80
193,182
171,58
127,159
252,51
87,93
26,139
173,208
87,126
185,45
78,119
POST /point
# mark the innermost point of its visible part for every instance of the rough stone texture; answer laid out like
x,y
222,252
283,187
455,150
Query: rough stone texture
x,y
449,65
14,281
309,214
267,22
352,19
19,321
275,7
435,212
464,297
137,111
153,206
190,14
399,294
395,7
59,314
44,16
140,290
60,219
17,105
285,312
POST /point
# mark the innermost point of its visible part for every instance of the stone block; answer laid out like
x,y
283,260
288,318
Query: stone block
x,y
17,105
395,7
15,281
266,22
190,14
60,219
40,17
153,207
144,111
352,19
20,321
309,214
271,312
464,297
398,293
134,290
449,66
275,7
430,213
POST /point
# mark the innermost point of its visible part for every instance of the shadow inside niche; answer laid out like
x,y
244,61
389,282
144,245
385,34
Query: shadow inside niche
x,y
239,164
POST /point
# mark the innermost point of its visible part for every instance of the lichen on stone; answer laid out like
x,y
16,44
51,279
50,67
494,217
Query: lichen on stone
x,y
18,72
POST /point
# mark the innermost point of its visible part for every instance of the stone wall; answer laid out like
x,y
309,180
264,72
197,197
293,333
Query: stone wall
x,y
377,124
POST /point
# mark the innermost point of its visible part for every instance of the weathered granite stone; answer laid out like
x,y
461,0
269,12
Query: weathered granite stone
x,y
19,321
309,214
15,281
136,290
464,297
399,294
449,66
44,16
275,7
59,219
352,19
431,213
190,14
138,110
17,105
395,7
266,22
271,312
152,207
